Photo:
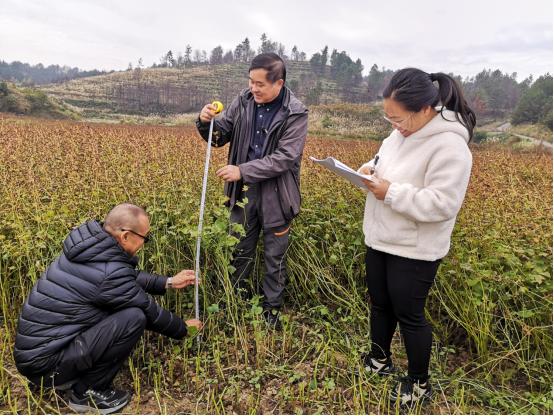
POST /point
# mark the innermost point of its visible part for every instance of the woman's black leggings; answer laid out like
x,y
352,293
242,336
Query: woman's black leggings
x,y
398,289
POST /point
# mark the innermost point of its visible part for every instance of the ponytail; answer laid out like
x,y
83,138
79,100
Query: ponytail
x,y
452,97
415,89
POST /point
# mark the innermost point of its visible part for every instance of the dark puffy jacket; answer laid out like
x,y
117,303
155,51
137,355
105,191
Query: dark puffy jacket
x,y
93,278
278,171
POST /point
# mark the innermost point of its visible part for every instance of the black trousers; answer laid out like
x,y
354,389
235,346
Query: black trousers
x,y
398,288
276,241
94,357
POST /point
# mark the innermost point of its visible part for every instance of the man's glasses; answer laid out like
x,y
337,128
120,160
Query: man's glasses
x,y
146,238
398,123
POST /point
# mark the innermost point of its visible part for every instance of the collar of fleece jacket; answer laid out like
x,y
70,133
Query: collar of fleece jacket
x,y
444,121
90,243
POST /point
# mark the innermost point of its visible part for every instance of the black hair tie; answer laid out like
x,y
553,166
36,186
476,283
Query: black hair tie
x,y
433,77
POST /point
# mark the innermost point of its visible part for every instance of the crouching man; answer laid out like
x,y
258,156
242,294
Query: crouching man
x,y
90,307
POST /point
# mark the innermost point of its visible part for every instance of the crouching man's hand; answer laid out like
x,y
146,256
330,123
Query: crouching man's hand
x,y
182,279
195,323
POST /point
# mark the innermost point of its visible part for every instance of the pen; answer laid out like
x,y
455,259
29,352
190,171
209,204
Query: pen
x,y
375,160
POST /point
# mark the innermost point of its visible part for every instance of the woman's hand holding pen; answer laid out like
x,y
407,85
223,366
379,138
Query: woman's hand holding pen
x,y
378,188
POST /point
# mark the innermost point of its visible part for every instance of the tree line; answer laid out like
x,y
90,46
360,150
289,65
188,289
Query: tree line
x,y
243,52
337,66
25,74
492,94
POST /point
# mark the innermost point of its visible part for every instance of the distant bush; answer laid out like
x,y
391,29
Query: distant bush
x,y
479,136
326,122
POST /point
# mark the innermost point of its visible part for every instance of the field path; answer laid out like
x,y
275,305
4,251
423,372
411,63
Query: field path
x,y
504,128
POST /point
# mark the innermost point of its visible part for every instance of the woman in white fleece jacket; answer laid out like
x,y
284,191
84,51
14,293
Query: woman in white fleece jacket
x,y
423,170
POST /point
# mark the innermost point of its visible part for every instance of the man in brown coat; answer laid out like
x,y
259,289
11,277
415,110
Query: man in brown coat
x,y
266,126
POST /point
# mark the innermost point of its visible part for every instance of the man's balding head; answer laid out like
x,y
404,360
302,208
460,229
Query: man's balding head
x,y
124,216
128,224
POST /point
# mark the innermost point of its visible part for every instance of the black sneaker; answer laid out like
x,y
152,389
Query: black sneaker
x,y
382,367
408,392
99,401
271,317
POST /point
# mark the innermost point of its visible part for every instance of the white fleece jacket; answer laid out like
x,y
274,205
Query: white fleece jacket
x,y
429,173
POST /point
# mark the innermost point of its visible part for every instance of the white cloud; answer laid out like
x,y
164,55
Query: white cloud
x,y
435,35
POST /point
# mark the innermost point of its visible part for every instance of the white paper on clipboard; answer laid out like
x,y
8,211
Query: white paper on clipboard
x,y
345,171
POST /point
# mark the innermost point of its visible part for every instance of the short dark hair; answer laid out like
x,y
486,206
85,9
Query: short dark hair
x,y
272,63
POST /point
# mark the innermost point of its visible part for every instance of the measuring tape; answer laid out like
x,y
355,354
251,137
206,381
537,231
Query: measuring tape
x,y
218,109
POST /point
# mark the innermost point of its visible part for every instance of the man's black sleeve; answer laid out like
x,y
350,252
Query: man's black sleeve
x,y
152,283
119,290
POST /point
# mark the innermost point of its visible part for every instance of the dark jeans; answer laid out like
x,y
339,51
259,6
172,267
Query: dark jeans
x,y
276,241
93,358
398,288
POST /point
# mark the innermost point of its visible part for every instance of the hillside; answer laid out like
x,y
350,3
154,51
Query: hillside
x,y
32,102
171,90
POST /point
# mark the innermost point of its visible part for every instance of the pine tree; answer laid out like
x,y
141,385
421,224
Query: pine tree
x,y
216,57
228,57
323,63
188,57
294,55
247,52
267,46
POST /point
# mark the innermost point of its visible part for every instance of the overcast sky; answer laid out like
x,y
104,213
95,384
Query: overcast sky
x,y
435,35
